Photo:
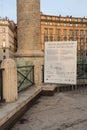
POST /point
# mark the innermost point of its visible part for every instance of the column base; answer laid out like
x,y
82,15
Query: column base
x,y
30,53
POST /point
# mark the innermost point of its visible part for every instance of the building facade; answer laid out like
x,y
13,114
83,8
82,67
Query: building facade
x,y
8,38
58,28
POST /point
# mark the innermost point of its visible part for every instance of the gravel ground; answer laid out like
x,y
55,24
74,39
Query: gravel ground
x,y
63,111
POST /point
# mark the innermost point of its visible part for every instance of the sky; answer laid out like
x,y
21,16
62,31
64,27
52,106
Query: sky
x,y
76,8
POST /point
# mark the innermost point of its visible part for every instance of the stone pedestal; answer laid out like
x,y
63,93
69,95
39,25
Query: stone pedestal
x,y
10,90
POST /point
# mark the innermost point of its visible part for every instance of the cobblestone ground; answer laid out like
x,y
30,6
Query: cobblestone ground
x,y
63,111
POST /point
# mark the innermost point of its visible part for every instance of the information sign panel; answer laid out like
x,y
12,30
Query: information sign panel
x,y
60,62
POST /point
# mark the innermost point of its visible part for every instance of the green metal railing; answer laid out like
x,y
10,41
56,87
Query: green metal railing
x,y
25,77
42,73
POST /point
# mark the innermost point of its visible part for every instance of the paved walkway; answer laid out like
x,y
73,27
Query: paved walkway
x,y
7,110
63,111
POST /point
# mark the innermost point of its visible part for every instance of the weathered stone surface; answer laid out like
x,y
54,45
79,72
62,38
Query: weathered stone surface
x,y
63,111
28,14
10,93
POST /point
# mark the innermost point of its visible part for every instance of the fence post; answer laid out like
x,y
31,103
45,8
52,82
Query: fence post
x,y
1,86
10,93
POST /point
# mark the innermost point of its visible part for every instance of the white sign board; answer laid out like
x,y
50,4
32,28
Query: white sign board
x,y
60,62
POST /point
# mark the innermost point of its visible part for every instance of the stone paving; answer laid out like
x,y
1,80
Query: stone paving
x,y
63,111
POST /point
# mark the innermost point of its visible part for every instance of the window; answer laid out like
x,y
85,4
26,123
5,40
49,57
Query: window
x,y
51,34
51,31
3,44
81,41
65,32
51,18
70,25
86,32
58,32
45,31
58,24
51,23
46,17
46,23
64,19
64,24
58,19
70,19
81,20
3,22
51,38
81,33
76,20
71,33
76,33
45,38
4,50
4,57
86,40
3,30
45,34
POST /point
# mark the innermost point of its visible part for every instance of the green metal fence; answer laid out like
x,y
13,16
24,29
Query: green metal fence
x,y
25,77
